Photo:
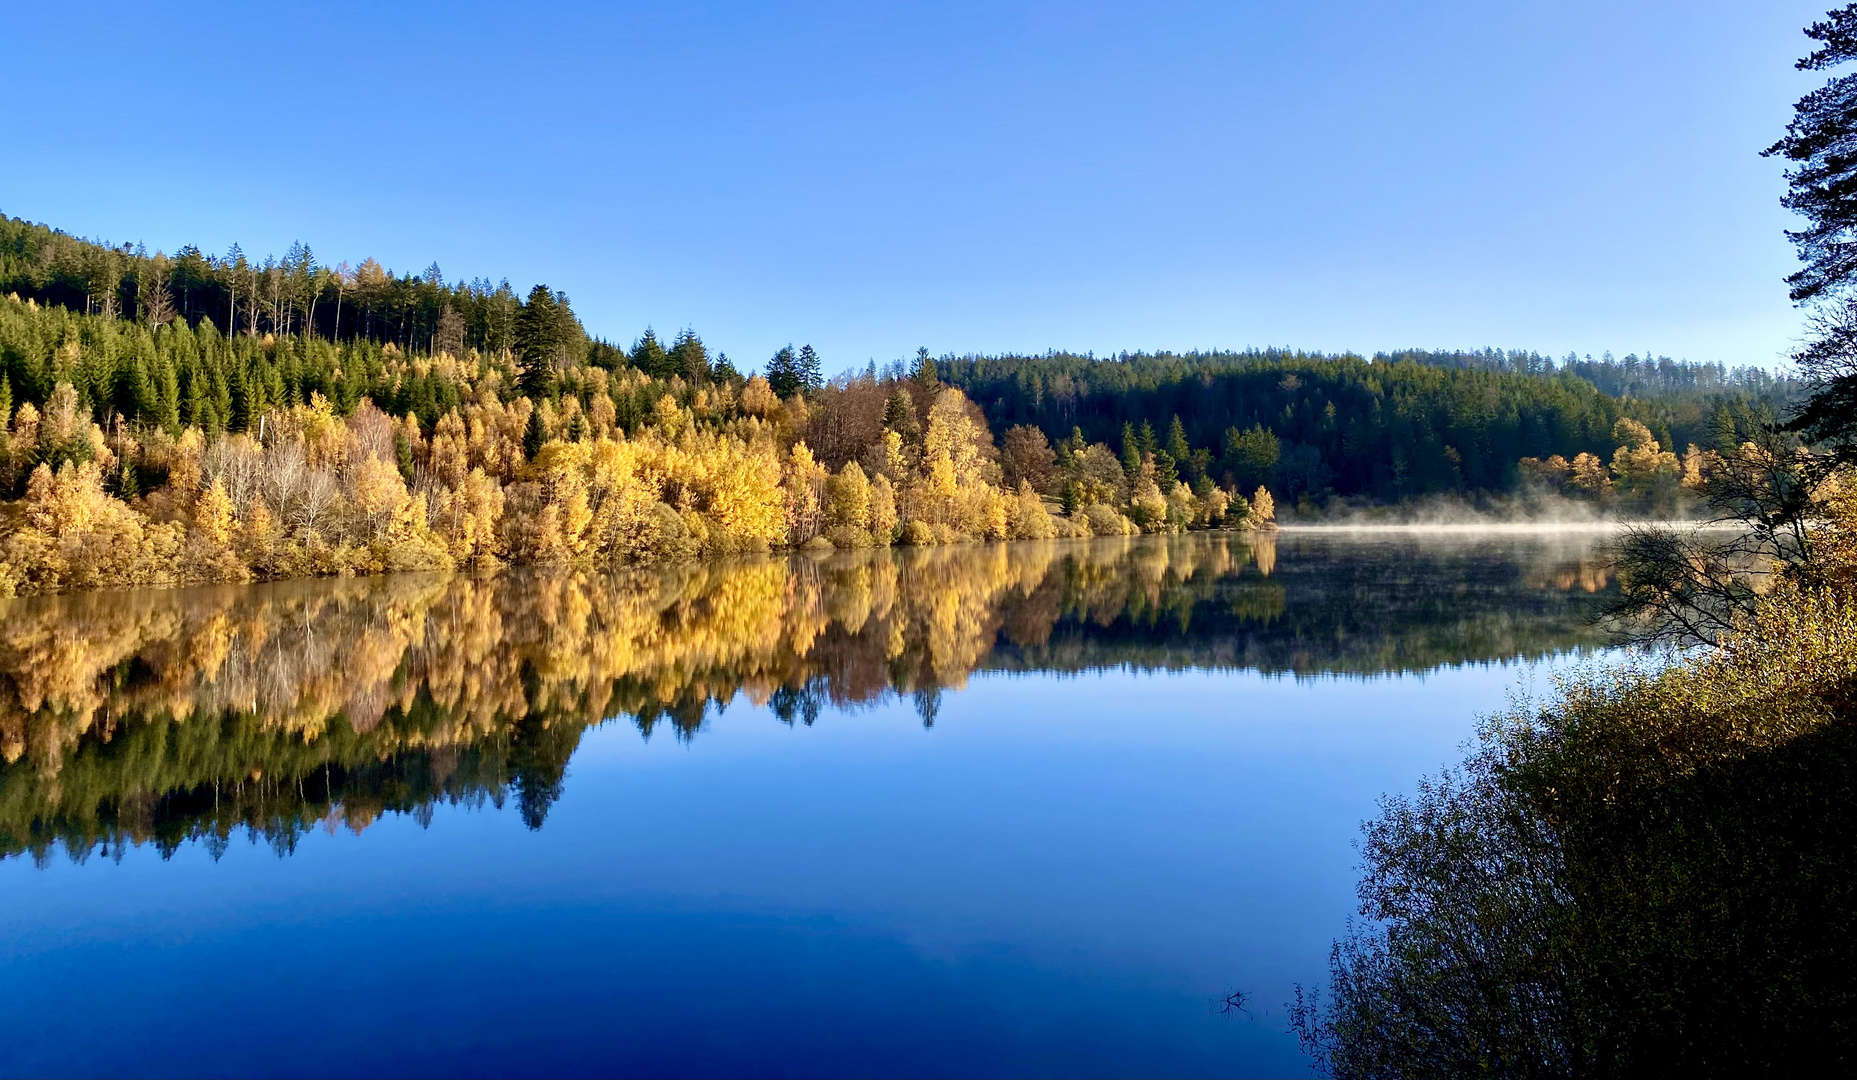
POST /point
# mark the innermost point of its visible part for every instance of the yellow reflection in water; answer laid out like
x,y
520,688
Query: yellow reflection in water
x,y
181,714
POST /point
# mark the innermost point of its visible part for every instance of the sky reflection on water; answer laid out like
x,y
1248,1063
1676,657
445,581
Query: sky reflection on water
x,y
1059,877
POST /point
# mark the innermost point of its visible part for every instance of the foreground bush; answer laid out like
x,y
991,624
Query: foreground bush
x,y
1656,873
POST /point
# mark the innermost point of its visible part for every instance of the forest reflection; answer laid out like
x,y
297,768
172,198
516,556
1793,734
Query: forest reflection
x,y
173,716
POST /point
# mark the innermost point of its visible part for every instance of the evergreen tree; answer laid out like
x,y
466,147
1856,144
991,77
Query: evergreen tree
x,y
1725,437
245,410
648,356
1821,182
899,415
534,437
1821,187
198,410
403,455
807,368
1166,470
168,397
1250,457
1176,441
689,358
538,341
783,373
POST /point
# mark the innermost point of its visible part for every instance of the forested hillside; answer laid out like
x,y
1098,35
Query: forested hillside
x,y
212,418
1400,425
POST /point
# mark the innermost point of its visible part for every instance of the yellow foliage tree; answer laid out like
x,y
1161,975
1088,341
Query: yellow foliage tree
x,y
802,485
847,507
1263,508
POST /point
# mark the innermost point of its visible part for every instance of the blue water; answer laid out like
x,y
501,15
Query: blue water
x,y
1061,877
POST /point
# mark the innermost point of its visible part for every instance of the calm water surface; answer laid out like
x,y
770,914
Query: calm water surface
x,y
1024,809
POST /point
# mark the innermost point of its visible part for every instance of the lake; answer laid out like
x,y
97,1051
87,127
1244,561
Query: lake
x,y
1029,809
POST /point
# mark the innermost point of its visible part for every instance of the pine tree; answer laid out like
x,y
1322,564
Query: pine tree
x,y
1176,456
1176,440
1821,179
899,415
1726,439
688,358
168,394
136,391
220,397
807,368
1166,470
648,356
783,373
1819,187
538,340
403,455
245,411
198,411
534,437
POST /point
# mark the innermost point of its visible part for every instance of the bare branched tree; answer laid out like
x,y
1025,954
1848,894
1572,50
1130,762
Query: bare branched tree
x,y
157,302
1691,585
449,336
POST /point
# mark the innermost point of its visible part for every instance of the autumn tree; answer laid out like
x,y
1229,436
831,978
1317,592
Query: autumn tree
x,y
848,508
758,398
1025,457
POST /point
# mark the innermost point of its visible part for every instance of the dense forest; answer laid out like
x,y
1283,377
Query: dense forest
x,y
1401,425
202,418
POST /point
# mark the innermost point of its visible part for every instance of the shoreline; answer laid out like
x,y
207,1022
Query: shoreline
x,y
1467,528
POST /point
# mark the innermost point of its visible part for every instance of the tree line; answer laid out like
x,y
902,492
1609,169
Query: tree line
x,y
200,418
1398,426
144,453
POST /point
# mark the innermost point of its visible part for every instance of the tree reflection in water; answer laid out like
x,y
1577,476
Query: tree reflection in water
x,y
172,716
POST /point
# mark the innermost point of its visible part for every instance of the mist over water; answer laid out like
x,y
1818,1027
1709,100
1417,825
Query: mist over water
x,y
1469,528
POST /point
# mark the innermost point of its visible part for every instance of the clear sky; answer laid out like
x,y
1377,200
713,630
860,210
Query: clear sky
x,y
974,177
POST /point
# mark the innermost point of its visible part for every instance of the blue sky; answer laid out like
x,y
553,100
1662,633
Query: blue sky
x,y
973,177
